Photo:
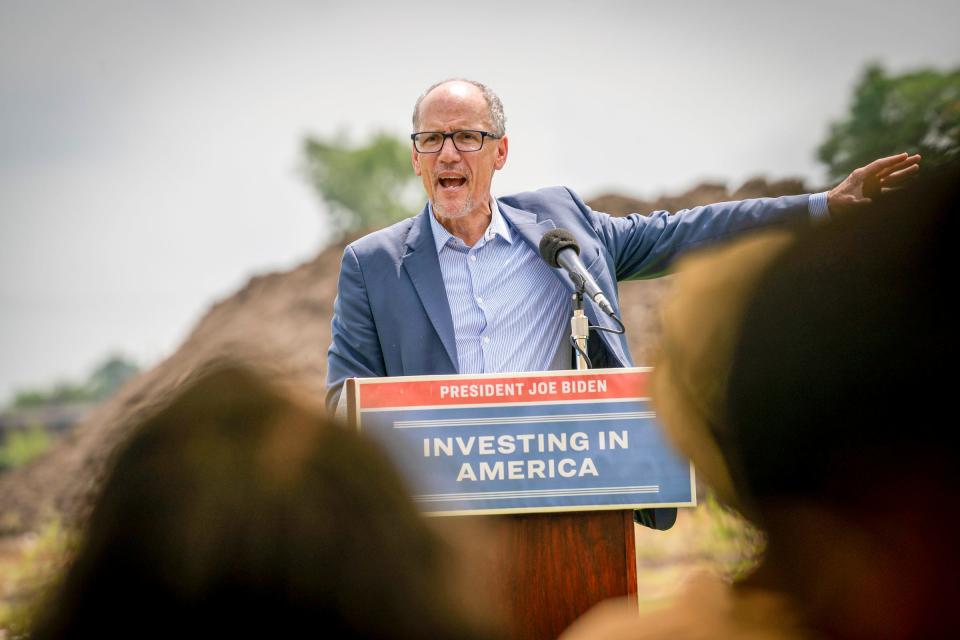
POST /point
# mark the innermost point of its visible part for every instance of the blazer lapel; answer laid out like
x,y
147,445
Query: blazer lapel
x,y
531,230
423,267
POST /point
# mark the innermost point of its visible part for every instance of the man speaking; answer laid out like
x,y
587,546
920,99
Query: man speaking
x,y
461,287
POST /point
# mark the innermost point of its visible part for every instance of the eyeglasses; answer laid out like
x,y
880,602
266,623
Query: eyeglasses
x,y
466,140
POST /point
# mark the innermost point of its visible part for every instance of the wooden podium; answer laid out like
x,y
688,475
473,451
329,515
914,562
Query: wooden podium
x,y
559,543
549,568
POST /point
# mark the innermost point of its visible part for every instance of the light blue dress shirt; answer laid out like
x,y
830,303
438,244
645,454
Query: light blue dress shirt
x,y
510,311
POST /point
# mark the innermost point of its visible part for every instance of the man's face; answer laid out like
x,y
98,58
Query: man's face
x,y
458,183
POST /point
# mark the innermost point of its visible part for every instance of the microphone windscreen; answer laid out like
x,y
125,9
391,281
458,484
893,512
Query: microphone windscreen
x,y
555,241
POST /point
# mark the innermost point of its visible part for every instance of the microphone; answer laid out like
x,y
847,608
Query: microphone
x,y
559,249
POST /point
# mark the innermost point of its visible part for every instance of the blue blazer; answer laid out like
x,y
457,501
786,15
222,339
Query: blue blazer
x,y
391,316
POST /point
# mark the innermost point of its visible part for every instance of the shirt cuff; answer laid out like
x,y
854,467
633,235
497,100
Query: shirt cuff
x,y
817,205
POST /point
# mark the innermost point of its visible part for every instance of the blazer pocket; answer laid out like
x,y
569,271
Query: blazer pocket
x,y
596,263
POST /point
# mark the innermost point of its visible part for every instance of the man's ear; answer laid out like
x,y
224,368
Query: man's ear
x,y
415,160
502,146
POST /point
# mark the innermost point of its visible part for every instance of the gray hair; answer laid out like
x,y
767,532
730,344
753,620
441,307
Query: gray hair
x,y
498,121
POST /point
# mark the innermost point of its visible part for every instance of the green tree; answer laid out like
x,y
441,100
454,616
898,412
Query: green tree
x,y
60,393
363,186
100,385
917,112
110,376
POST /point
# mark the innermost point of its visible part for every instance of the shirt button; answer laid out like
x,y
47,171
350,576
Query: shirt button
x,y
479,300
473,258
486,339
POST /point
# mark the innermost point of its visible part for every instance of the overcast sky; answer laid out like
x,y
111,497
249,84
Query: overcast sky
x,y
149,151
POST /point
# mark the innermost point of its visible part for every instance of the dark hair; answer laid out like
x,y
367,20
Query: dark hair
x,y
236,511
842,364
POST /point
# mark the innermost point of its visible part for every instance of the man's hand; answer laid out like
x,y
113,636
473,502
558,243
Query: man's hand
x,y
867,183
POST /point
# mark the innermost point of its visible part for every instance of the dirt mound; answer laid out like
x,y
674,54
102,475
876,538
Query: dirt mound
x,y
704,193
280,323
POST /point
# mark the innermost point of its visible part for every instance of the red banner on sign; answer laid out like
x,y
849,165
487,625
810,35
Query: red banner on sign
x,y
506,389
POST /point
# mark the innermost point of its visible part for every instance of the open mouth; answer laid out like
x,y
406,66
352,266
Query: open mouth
x,y
452,182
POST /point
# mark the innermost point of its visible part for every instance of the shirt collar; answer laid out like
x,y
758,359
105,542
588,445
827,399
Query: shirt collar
x,y
498,227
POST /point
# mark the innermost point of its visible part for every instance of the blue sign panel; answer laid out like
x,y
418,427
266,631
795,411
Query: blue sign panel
x,y
525,456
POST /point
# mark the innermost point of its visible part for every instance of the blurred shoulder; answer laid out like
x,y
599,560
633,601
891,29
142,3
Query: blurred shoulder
x,y
704,607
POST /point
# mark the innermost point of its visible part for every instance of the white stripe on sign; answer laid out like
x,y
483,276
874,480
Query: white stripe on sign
x,y
535,493
480,422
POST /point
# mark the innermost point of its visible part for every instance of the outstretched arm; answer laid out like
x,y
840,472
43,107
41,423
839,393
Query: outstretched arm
x,y
867,183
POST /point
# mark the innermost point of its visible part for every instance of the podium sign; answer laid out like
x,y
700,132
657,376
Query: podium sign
x,y
524,442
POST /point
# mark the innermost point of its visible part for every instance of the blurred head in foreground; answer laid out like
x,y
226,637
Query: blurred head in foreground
x,y
824,410
236,512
